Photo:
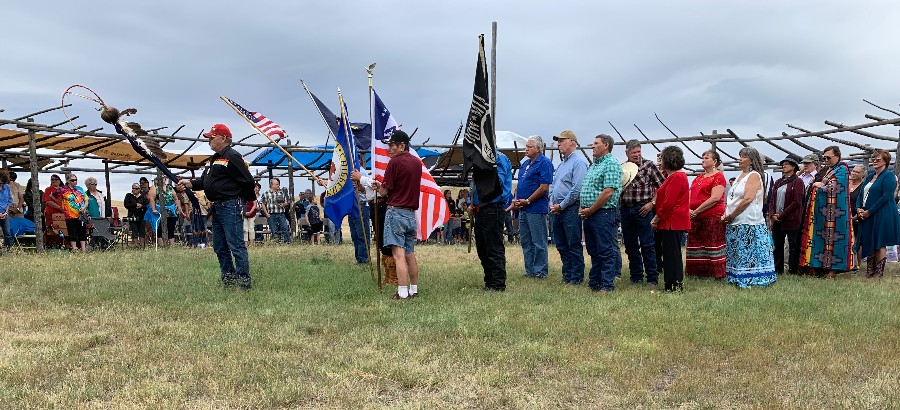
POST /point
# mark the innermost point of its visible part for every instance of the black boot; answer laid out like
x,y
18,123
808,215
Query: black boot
x,y
674,287
879,268
870,266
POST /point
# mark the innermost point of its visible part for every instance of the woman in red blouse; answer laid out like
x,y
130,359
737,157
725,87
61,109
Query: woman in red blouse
x,y
672,216
706,239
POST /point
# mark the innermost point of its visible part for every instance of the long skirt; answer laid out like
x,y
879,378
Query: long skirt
x,y
706,248
750,261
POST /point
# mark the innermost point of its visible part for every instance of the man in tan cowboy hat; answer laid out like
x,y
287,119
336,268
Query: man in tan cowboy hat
x,y
636,207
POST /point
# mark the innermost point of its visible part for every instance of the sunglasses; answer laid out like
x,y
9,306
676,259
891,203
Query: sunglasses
x,y
92,183
73,180
877,159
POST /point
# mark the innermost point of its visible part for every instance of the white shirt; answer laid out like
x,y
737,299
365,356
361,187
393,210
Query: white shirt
x,y
752,214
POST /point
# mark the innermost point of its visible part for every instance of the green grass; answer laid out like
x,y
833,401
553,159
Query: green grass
x,y
153,330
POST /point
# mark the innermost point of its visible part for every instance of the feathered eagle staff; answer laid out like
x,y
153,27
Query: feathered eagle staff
x,y
139,139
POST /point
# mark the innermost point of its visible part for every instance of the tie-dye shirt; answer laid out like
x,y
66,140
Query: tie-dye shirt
x,y
71,199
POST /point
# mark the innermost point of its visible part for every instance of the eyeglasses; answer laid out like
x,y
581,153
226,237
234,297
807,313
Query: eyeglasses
x,y
828,158
92,183
877,159
73,180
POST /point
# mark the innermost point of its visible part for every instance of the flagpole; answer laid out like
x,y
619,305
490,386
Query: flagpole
x,y
270,139
354,157
321,115
374,212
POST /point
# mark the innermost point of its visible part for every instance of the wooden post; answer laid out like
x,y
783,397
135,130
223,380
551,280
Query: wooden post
x,y
108,188
713,142
35,192
896,154
290,215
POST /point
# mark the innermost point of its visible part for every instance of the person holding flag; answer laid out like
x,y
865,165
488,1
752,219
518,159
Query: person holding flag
x,y
488,229
402,179
228,183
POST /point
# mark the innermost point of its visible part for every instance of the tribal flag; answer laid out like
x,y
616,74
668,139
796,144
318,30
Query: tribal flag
x,y
479,146
326,114
340,194
433,210
257,120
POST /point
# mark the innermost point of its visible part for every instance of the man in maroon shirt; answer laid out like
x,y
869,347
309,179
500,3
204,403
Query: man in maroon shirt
x,y
401,186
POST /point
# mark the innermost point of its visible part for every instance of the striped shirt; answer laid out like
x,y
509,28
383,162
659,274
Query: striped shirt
x,y
604,173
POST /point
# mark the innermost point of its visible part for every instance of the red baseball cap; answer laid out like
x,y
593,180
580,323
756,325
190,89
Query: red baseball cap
x,y
218,129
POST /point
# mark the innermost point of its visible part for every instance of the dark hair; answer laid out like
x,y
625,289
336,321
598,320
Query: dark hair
x,y
257,185
276,180
144,179
4,177
886,156
672,158
607,140
715,156
835,149
12,175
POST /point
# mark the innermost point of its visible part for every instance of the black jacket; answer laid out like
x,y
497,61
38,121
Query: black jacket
x,y
226,177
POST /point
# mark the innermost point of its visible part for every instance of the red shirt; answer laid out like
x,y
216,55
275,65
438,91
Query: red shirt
x,y
672,200
701,190
402,180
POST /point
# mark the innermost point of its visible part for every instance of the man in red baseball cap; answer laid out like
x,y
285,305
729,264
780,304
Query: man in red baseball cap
x,y
218,129
227,183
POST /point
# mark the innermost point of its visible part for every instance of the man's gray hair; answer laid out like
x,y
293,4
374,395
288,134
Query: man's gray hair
x,y
608,140
537,141
632,144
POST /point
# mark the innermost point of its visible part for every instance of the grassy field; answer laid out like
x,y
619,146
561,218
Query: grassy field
x,y
145,329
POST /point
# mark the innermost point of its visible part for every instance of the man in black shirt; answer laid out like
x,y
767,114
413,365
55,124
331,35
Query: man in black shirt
x,y
228,185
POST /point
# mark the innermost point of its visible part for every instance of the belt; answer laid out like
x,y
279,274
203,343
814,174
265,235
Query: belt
x,y
400,207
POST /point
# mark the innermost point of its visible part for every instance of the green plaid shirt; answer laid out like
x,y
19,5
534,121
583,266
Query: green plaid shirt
x,y
603,173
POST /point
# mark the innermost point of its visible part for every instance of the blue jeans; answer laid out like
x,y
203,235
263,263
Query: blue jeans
x,y
360,238
332,232
637,234
281,229
7,233
533,235
567,237
228,242
601,240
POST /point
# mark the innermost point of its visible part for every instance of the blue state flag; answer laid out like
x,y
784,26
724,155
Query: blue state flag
x,y
340,195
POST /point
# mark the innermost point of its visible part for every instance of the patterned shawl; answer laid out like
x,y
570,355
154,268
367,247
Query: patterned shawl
x,y
825,241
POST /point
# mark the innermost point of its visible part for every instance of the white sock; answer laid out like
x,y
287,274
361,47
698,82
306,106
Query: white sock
x,y
403,292
413,289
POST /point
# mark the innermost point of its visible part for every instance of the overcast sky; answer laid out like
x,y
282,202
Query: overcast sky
x,y
751,66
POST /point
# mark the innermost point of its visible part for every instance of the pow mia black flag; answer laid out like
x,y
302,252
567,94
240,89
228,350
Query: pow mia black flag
x,y
479,149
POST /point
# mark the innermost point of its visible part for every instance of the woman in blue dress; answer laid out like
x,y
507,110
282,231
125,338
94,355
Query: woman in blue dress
x,y
879,223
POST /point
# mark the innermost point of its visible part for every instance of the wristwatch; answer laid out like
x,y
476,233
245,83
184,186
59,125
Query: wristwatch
x,y
527,202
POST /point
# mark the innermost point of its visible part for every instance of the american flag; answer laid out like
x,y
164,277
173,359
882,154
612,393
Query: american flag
x,y
259,121
433,209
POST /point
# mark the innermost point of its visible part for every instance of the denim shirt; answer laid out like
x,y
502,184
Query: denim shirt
x,y
566,189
